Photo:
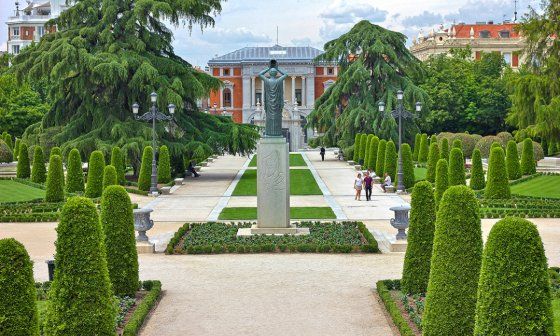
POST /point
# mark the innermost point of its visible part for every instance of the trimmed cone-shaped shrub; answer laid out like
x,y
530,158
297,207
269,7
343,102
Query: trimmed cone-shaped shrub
x,y
477,171
16,148
417,140
513,290
23,169
372,157
109,176
6,154
74,172
408,166
528,165
442,179
390,166
164,165
56,151
455,266
8,141
497,186
96,166
424,149
80,297
433,139
380,162
117,161
357,140
55,180
363,145
18,296
118,224
38,171
368,147
144,179
433,158
416,270
444,150
456,167
512,161
457,143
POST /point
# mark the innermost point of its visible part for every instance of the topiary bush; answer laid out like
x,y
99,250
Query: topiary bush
x,y
456,167
55,151
458,143
74,174
416,269
417,140
23,169
497,186
117,161
8,140
38,171
504,137
16,148
485,144
6,154
109,176
513,291
356,154
455,266
512,161
408,166
477,171
380,162
424,149
144,179
433,158
363,144
18,296
372,157
368,150
80,297
96,166
164,165
528,162
442,180
118,224
55,180
390,166
444,151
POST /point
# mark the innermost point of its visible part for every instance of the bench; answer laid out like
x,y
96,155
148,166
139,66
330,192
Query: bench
x,y
210,160
165,190
390,189
358,167
203,164
197,168
178,181
351,163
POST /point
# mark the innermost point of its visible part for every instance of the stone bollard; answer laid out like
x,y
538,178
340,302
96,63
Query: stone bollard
x,y
400,222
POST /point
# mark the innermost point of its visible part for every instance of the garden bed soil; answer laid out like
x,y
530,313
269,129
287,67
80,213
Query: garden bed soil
x,y
138,299
396,295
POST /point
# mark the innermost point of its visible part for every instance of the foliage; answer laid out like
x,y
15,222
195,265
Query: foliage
x,y
477,172
528,164
7,139
164,165
75,174
6,154
55,180
363,146
55,151
372,157
380,162
485,144
444,152
497,182
417,140
38,171
18,310
80,299
420,237
442,179
141,312
433,157
504,137
117,161
109,176
145,177
23,169
456,167
16,148
357,141
367,158
512,161
390,166
96,167
393,309
408,166
514,292
424,149
455,266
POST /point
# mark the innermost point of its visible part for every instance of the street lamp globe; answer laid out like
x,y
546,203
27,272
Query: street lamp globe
x,y
418,106
171,108
381,106
153,97
135,108
400,95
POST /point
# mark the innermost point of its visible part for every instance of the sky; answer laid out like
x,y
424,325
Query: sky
x,y
243,23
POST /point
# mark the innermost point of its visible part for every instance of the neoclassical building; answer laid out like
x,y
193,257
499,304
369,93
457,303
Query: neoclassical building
x,y
241,94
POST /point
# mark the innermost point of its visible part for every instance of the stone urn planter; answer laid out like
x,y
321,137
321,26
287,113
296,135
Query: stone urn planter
x,y
142,223
400,222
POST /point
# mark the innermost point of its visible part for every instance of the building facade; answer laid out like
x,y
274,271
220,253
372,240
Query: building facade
x,y
241,95
481,37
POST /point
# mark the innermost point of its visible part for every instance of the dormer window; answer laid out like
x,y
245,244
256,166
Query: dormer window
x,y
484,34
504,34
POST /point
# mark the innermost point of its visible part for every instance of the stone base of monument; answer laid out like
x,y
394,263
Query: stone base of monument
x,y
388,242
145,247
255,230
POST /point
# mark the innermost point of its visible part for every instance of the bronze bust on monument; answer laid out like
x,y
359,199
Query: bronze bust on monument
x,y
273,99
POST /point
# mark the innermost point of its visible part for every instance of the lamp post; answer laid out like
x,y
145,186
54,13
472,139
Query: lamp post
x,y
152,115
401,113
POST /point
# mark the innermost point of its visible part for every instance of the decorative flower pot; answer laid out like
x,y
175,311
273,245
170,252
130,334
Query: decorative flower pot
x,y
142,223
400,222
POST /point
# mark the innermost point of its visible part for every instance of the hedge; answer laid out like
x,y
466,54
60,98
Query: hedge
x,y
497,186
424,149
514,291
485,144
117,161
96,167
120,244
458,143
18,296
390,166
38,171
392,308
505,138
109,176
16,148
538,151
528,163
444,151
6,154
74,172
80,297
368,150
7,138
417,140
135,322
356,154
164,165
456,167
455,266
380,161
372,157
433,158
442,180
363,144
433,139
55,180
55,151
408,166
23,169
416,269
477,171
144,179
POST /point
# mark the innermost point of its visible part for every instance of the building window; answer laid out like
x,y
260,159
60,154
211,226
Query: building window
x,y
330,71
484,34
298,96
258,97
504,34
15,31
40,31
15,49
507,58
227,97
226,72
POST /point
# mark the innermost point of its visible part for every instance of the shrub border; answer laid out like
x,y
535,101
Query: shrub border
x,y
392,308
139,315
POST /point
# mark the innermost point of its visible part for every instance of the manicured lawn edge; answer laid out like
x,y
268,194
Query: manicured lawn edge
x,y
141,312
299,213
136,191
383,287
26,182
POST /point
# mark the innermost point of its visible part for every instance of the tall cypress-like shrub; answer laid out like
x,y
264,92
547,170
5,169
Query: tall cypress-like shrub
x,y
514,291
8,140
80,298
417,140
390,166
164,165
118,224
74,172
56,151
6,154
497,186
55,180
455,266
372,157
442,180
23,169
424,149
109,176
433,139
144,179
457,143
444,151
117,161
528,166
18,296
368,147
456,167
363,144
380,162
96,166
477,171
433,158
416,269
38,171
357,140
16,148
408,166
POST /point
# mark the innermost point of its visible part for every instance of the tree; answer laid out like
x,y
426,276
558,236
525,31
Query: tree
x,y
477,172
442,179
118,224
55,180
7,139
380,162
75,174
457,143
444,152
368,150
456,168
512,158
6,154
80,299
117,161
144,179
372,157
96,167
455,265
23,170
18,296
56,151
390,166
424,149
528,166
514,291
408,166
363,145
357,141
497,186
374,64
433,158
109,176
417,140
38,171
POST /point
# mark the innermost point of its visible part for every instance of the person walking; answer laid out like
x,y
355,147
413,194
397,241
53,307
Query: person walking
x,y
387,182
322,153
358,183
368,180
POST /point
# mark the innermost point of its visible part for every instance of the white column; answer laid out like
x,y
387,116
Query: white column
x,y
303,91
221,98
310,91
246,91
253,102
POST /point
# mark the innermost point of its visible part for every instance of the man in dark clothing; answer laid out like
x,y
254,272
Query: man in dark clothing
x,y
322,153
368,180
191,170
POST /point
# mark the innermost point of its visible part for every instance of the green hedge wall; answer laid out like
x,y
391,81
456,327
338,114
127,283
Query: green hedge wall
x,y
444,150
372,157
368,150
74,172
144,179
363,145
417,140
55,180
477,171
528,165
456,167
23,169
442,180
109,176
390,166
96,166
164,165
8,140
6,154
356,154
497,186
408,166
380,161
392,308
133,325
424,149
38,171
433,157
117,161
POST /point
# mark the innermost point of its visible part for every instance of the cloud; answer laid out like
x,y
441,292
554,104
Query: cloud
x,y
340,16
423,20
234,35
302,42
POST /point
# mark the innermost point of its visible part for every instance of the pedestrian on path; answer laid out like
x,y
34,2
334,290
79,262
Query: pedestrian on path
x,y
368,180
191,170
322,153
358,183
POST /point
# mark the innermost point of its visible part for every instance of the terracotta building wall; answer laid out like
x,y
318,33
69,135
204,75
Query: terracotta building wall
x,y
26,33
237,96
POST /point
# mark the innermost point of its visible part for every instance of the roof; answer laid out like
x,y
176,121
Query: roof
x,y
264,54
464,30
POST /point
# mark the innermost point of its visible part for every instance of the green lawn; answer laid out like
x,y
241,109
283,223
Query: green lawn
x,y
296,160
420,173
301,183
542,186
248,213
11,191
556,310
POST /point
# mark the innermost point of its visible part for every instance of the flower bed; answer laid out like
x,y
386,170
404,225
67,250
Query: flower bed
x,y
521,207
30,212
388,290
210,238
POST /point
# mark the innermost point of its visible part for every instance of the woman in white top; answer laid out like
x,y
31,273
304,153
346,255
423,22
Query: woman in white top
x,y
358,184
